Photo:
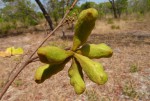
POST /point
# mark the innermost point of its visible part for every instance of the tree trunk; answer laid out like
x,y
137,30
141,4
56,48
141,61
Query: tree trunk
x,y
47,17
114,8
119,12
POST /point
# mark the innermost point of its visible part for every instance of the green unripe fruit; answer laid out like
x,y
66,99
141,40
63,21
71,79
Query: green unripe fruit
x,y
53,55
44,72
94,70
76,77
95,51
84,26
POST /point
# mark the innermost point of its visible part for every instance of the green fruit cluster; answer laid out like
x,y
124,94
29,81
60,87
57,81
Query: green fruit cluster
x,y
46,71
95,51
53,55
81,54
76,77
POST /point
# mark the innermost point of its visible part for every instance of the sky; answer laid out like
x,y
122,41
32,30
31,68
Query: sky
x,y
81,1
1,4
97,1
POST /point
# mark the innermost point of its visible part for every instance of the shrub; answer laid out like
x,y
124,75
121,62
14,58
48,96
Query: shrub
x,y
5,27
115,27
133,68
110,21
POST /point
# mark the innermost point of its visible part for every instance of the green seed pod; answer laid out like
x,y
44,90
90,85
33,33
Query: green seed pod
x,y
84,26
76,77
44,72
52,54
94,70
95,51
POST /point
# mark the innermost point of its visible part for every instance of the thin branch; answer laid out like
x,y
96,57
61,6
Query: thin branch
x,y
15,67
34,59
3,91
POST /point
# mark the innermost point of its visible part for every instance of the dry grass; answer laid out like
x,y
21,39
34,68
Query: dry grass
x,y
131,46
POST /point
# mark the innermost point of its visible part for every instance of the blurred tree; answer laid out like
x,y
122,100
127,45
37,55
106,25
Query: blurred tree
x,y
53,9
24,9
56,8
20,10
104,9
140,6
8,0
46,15
121,6
114,8
87,5
69,2
118,6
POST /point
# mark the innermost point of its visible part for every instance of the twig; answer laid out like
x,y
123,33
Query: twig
x,y
30,57
15,67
